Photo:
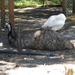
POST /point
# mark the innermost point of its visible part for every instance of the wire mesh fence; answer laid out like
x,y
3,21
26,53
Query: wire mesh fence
x,y
2,12
7,8
69,7
6,12
67,4
11,11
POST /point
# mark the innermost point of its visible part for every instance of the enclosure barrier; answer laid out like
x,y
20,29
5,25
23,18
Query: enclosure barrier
x,y
11,12
3,13
64,6
67,7
19,43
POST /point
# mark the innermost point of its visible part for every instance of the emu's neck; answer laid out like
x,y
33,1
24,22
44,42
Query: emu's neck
x,y
10,27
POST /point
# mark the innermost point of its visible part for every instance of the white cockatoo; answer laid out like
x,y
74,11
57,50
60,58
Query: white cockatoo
x,y
55,22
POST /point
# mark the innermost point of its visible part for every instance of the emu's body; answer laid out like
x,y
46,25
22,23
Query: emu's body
x,y
43,39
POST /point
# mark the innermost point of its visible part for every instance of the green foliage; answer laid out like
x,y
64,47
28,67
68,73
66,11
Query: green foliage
x,y
26,3
44,0
34,2
1,27
68,18
53,2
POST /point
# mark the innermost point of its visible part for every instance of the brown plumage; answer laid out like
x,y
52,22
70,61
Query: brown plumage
x,y
44,39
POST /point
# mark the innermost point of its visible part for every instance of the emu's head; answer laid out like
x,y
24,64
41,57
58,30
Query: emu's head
x,y
12,34
8,26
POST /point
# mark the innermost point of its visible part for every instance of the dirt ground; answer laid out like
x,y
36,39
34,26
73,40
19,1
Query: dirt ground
x,y
13,64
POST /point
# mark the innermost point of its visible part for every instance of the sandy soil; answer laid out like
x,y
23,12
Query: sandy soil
x,y
13,64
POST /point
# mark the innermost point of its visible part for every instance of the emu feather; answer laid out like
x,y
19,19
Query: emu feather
x,y
55,22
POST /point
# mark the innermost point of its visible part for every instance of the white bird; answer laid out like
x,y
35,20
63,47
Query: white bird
x,y
55,22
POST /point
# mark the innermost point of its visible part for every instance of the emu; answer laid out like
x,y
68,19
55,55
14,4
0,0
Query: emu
x,y
43,39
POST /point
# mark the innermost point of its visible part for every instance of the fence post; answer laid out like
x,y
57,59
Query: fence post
x,y
73,6
64,6
11,12
43,3
19,43
2,12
